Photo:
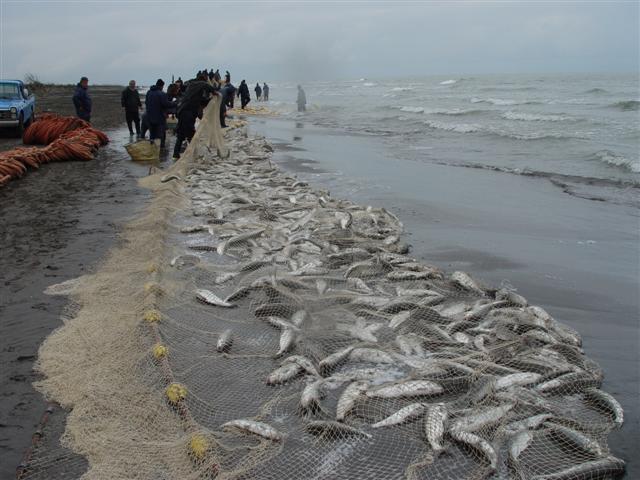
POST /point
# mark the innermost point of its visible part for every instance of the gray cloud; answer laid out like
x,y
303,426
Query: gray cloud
x,y
113,41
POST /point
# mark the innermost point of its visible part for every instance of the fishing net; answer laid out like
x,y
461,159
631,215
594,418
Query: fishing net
x,y
250,326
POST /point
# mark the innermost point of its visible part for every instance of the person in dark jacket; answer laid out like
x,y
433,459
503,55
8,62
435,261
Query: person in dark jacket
x,y
130,101
228,92
302,100
82,100
265,92
191,104
243,93
258,91
227,77
157,105
216,76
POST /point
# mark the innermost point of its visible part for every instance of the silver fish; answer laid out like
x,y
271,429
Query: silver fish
x,y
211,298
517,379
399,318
331,361
466,282
237,240
349,397
483,418
304,362
311,396
603,400
530,423
569,436
258,428
410,388
434,425
287,340
224,341
518,444
284,373
511,297
403,415
477,443
604,468
372,355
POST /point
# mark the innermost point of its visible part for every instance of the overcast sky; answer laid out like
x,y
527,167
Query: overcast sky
x,y
113,41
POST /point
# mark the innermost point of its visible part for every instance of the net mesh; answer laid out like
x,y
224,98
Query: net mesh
x,y
251,326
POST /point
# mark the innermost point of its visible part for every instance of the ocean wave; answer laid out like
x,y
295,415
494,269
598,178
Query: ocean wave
x,y
533,117
401,89
412,109
610,158
596,90
449,82
502,102
369,84
454,127
627,105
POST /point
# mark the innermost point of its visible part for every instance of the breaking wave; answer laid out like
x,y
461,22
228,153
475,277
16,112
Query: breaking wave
x,y
533,117
454,127
596,90
627,105
412,109
610,158
449,82
369,84
502,102
401,89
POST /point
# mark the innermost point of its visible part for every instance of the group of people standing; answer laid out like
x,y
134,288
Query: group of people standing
x,y
185,100
262,93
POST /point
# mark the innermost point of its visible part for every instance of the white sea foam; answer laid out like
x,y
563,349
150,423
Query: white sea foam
x,y
412,109
401,89
448,82
496,101
369,84
454,127
610,158
533,117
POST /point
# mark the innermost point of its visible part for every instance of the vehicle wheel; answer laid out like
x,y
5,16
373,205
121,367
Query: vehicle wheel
x,y
20,127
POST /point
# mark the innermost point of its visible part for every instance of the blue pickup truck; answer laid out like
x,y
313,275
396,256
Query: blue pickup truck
x,y
17,105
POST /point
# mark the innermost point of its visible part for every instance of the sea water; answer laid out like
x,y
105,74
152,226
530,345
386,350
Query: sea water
x,y
580,131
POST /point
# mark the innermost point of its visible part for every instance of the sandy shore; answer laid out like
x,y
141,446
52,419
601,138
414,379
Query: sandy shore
x,y
58,222
576,258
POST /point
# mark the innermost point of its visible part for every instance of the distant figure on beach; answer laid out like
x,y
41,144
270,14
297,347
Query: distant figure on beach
x,y
265,92
193,101
82,100
227,77
228,92
216,76
258,91
302,100
243,93
130,101
158,105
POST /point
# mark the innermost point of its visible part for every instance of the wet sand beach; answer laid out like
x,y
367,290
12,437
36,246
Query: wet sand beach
x,y
576,258
57,223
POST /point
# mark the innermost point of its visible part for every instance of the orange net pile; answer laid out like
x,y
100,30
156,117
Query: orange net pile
x,y
66,138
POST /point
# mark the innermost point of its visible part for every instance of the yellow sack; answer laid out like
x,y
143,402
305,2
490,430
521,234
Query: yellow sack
x,y
143,151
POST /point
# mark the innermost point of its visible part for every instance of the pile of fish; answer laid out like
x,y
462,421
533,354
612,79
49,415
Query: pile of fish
x,y
371,341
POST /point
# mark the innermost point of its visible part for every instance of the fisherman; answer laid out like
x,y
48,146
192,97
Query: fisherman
x,y
130,101
243,93
227,77
82,100
216,76
265,92
158,105
191,104
258,91
302,100
228,92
